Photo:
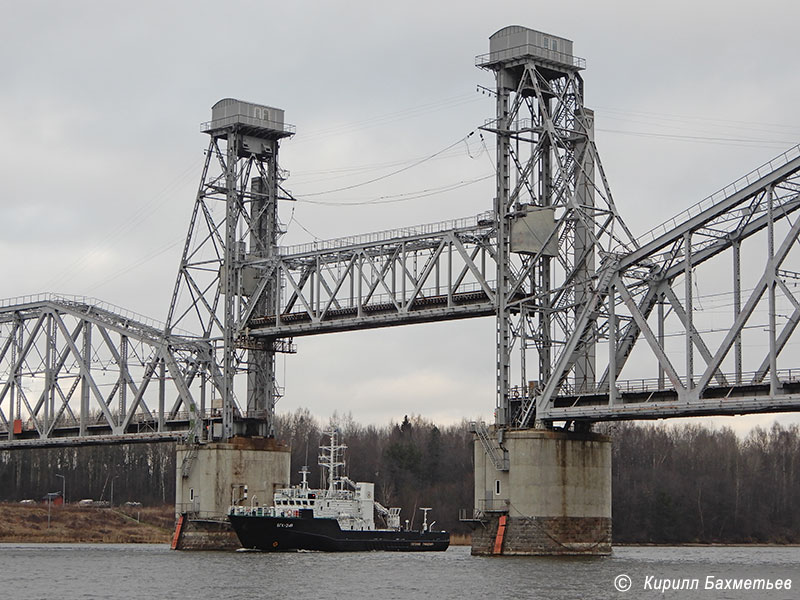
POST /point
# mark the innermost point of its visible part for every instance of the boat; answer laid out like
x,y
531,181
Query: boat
x,y
339,518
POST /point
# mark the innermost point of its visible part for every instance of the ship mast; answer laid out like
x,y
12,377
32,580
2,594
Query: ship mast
x,y
304,474
331,460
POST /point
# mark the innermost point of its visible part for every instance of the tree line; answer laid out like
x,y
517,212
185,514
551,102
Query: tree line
x,y
132,472
695,484
414,464
671,484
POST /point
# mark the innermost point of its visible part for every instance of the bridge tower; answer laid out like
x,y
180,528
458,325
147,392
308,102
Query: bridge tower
x,y
231,243
554,220
224,276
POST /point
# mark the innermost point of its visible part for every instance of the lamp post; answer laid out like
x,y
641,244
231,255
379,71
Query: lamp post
x,y
112,490
63,489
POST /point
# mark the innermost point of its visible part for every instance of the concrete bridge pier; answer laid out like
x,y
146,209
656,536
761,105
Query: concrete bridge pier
x,y
212,477
554,498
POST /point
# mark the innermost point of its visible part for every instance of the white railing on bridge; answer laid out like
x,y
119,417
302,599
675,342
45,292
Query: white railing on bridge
x,y
634,386
483,219
547,54
138,419
719,196
207,126
78,301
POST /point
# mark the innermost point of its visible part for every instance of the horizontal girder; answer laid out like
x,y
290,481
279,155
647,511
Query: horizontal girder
x,y
645,399
429,274
75,371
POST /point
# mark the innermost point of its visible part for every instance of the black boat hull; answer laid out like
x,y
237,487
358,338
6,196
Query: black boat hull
x,y
278,534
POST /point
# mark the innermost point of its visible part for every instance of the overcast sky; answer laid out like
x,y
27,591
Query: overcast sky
x,y
100,106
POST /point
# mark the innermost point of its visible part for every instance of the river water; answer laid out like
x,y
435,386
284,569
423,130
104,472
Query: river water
x,y
153,571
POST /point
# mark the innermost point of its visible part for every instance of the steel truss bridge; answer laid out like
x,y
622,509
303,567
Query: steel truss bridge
x,y
593,323
77,371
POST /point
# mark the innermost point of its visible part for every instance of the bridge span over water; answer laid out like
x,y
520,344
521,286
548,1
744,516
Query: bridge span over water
x,y
594,322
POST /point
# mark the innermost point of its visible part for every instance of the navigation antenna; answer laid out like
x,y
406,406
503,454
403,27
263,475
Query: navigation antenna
x,y
424,519
304,474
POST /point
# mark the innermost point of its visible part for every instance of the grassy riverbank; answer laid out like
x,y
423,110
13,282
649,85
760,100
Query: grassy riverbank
x,y
28,523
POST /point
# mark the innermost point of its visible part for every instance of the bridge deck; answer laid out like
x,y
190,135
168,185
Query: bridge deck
x,y
66,432
734,399
440,307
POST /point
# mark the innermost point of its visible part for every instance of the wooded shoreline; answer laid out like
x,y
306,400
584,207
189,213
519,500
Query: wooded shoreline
x,y
671,485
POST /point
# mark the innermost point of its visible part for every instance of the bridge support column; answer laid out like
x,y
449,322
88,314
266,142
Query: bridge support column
x,y
210,478
555,495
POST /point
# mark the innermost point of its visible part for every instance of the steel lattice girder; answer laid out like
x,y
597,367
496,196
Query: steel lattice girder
x,y
560,304
404,279
78,358
635,283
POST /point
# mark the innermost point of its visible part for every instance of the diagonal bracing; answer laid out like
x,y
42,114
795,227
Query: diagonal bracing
x,y
90,369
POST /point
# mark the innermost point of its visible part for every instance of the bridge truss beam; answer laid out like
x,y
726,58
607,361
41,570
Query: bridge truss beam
x,y
641,292
73,368
428,273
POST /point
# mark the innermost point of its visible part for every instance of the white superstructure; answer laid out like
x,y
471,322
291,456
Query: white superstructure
x,y
351,503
